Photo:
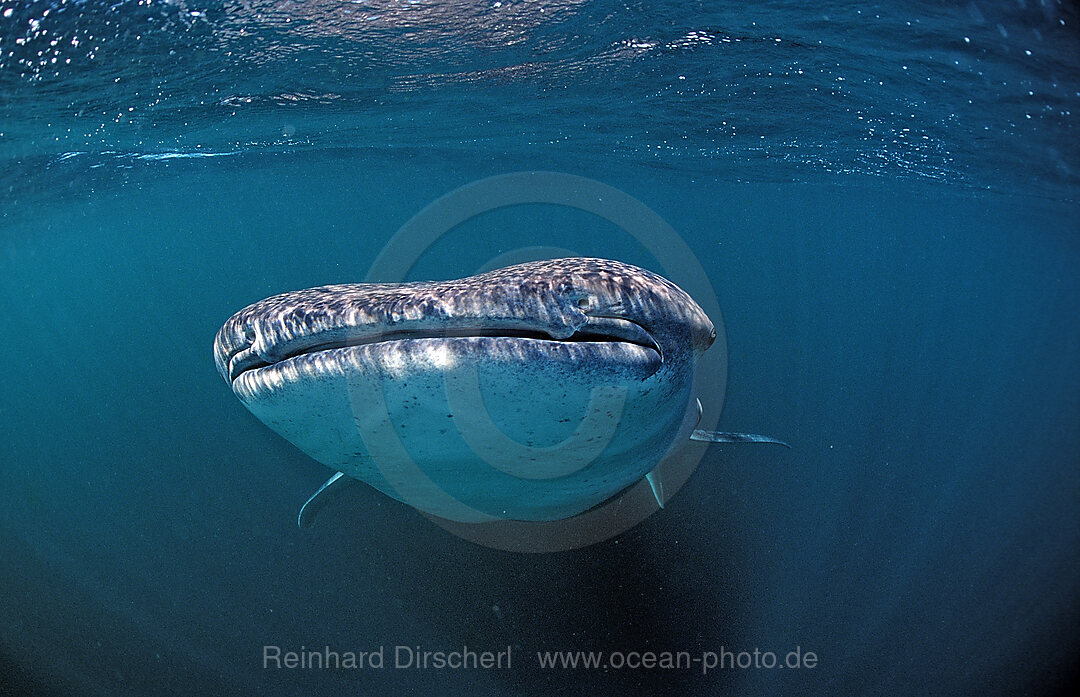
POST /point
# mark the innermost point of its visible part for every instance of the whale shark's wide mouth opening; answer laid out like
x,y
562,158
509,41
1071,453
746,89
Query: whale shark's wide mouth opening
x,y
597,330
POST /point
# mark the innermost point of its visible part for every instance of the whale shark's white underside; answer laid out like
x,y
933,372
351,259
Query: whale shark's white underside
x,y
533,392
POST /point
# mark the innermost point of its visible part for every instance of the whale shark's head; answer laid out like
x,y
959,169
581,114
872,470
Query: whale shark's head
x,y
542,303
531,392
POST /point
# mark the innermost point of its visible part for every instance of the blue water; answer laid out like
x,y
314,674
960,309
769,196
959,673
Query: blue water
x,y
885,197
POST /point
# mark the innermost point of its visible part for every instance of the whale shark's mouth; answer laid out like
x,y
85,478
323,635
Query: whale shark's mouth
x,y
606,330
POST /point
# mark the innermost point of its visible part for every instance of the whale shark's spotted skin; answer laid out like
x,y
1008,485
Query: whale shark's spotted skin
x,y
537,295
532,392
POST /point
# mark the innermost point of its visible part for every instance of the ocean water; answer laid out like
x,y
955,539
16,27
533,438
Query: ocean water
x,y
885,198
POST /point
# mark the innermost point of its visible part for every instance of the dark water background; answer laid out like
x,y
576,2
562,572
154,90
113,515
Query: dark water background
x,y
884,196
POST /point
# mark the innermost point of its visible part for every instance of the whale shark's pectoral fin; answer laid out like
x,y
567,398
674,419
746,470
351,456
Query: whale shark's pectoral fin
x,y
728,437
321,497
653,478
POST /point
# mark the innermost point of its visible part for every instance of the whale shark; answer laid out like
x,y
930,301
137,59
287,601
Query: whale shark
x,y
533,392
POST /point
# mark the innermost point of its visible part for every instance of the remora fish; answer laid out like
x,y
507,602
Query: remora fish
x,y
532,392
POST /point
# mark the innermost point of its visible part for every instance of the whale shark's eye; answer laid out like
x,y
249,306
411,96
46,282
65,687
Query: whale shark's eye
x,y
249,333
584,302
